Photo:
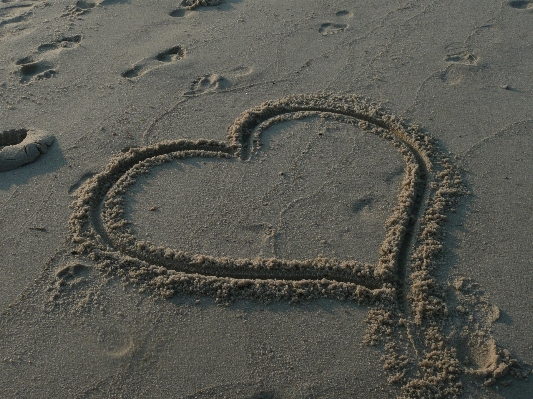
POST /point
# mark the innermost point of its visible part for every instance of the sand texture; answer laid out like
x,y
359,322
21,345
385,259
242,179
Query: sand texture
x,y
266,199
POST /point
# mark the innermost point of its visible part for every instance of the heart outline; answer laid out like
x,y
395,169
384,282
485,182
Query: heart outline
x,y
109,237
403,291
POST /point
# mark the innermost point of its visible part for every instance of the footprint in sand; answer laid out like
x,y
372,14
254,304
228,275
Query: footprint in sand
x,y
465,58
344,14
330,28
171,55
462,57
31,70
456,53
13,15
22,146
65,42
115,342
34,69
215,82
81,7
521,4
207,84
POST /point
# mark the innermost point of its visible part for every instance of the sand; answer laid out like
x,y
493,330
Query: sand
x,y
252,199
20,146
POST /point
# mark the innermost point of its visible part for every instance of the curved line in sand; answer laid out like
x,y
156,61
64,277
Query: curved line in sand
x,y
98,222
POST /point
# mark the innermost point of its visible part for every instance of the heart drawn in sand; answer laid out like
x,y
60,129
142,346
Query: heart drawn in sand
x,y
401,286
98,223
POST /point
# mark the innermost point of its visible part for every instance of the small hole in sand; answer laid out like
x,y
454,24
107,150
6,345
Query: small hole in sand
x,y
12,137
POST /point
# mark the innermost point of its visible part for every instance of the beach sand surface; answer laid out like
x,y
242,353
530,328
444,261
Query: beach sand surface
x,y
86,318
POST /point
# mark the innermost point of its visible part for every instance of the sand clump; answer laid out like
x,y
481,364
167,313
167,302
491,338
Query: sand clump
x,y
21,146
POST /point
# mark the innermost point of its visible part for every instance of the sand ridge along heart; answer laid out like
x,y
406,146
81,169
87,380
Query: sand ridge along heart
x,y
108,229
401,286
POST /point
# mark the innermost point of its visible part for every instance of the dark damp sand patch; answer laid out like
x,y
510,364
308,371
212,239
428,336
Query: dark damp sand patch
x,y
409,314
32,69
22,146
